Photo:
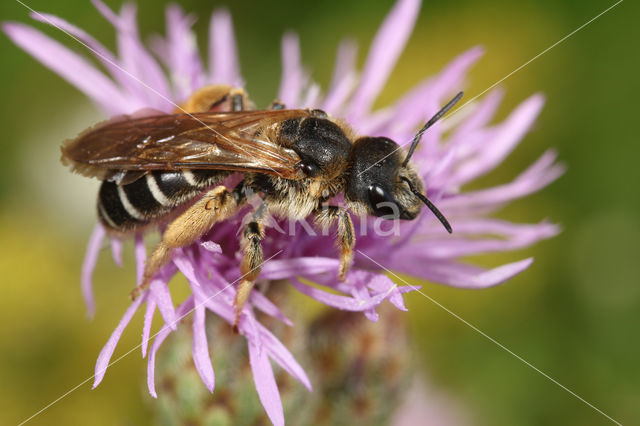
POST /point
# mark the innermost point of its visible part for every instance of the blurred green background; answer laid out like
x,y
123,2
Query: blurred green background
x,y
574,314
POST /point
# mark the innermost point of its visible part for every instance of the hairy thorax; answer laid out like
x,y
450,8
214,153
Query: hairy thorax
x,y
294,199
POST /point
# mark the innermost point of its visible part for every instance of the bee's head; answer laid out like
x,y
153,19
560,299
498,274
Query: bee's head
x,y
380,183
376,179
382,180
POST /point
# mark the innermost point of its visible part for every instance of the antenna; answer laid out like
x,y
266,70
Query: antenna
x,y
430,123
432,207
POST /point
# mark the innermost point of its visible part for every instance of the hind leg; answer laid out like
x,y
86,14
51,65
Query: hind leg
x,y
252,259
216,97
216,205
345,240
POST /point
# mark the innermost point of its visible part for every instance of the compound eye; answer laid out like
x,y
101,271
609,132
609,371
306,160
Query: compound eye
x,y
381,202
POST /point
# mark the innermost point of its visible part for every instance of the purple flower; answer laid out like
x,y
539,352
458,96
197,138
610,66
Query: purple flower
x,y
136,79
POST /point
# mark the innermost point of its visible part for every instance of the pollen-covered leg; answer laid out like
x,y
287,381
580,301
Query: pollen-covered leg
x,y
215,97
346,242
216,205
252,260
345,239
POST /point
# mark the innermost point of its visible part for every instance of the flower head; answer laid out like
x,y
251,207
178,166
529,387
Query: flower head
x,y
136,79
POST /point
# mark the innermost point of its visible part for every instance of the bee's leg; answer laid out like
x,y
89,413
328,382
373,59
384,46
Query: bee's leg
x,y
216,205
206,98
215,97
345,239
237,100
240,100
276,104
252,260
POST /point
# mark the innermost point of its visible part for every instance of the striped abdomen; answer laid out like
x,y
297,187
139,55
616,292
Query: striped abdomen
x,y
126,207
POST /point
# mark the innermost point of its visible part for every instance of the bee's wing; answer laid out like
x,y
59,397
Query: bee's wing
x,y
220,141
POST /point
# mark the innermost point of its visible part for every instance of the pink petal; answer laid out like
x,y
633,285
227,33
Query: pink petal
x,y
345,62
380,282
278,269
212,301
184,61
223,59
311,97
99,51
107,351
336,98
162,297
116,250
542,166
201,357
383,284
503,228
344,77
280,354
451,78
186,267
408,288
266,384
513,237
378,123
151,86
383,54
89,265
212,247
537,176
344,303
183,309
507,136
223,308
371,315
467,139
461,275
480,117
292,73
108,14
141,257
361,293
276,349
417,106
261,302
331,281
70,66
146,327
396,300
102,52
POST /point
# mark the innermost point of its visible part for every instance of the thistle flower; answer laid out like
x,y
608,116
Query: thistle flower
x,y
137,79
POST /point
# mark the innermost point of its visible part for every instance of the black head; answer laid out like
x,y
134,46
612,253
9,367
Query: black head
x,y
383,182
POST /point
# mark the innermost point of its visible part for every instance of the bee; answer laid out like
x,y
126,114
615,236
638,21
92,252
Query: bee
x,y
296,160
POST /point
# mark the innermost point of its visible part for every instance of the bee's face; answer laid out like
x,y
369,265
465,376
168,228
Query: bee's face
x,y
378,181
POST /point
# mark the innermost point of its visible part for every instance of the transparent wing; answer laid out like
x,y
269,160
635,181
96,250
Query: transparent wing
x,y
231,141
